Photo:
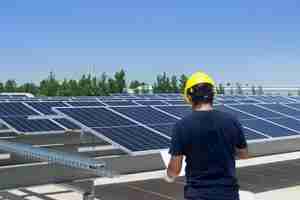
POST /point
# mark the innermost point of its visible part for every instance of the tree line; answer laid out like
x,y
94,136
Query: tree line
x,y
92,85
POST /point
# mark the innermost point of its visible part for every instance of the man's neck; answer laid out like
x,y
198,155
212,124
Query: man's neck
x,y
202,107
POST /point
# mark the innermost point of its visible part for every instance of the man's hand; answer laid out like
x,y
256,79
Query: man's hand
x,y
174,168
242,153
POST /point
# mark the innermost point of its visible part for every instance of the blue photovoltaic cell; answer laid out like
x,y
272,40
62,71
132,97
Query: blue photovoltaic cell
x,y
146,115
25,125
179,111
96,117
282,109
237,114
288,122
227,101
295,98
268,128
85,103
251,135
46,107
154,97
281,99
68,124
15,109
295,105
176,102
151,103
166,129
263,99
120,103
247,101
254,110
229,98
135,138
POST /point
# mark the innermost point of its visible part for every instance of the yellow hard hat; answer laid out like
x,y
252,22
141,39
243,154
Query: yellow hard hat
x,y
195,79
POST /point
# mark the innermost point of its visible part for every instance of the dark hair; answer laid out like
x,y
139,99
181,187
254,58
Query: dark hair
x,y
202,93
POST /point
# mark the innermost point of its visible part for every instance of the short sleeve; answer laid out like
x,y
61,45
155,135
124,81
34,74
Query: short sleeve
x,y
177,144
241,139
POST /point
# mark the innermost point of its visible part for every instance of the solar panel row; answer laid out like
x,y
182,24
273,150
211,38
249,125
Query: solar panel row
x,y
24,125
260,121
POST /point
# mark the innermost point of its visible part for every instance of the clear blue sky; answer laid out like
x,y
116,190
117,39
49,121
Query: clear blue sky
x,y
234,40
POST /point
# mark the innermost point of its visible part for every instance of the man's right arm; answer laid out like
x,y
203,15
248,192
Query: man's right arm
x,y
242,153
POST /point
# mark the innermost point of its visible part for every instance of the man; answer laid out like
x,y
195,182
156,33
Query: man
x,y
209,140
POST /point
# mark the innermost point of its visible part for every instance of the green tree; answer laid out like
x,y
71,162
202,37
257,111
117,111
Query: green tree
x,y
103,85
64,89
94,87
134,84
145,89
174,84
29,88
73,87
1,87
298,92
85,85
120,81
112,86
49,86
182,81
10,86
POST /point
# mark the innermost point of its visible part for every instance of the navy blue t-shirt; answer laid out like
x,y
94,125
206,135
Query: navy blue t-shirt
x,y
208,140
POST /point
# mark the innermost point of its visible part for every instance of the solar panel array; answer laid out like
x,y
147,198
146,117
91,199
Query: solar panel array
x,y
140,123
119,130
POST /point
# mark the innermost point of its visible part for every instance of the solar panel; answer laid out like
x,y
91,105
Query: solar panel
x,y
85,103
154,97
179,111
119,103
248,101
151,103
96,117
255,110
166,129
283,109
227,101
288,122
117,129
263,99
237,114
295,98
281,99
135,138
15,109
268,128
176,102
46,107
24,125
252,135
294,105
67,123
146,115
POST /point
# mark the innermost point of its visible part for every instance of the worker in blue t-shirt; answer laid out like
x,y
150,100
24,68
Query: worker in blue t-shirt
x,y
210,140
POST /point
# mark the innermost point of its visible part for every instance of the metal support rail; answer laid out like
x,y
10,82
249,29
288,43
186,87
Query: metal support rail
x,y
98,168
